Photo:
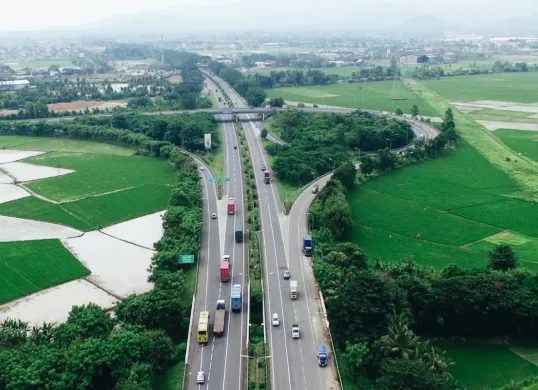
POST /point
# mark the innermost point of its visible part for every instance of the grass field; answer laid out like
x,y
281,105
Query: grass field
x,y
40,64
49,144
479,366
171,379
98,174
371,96
513,87
30,266
91,213
489,114
521,141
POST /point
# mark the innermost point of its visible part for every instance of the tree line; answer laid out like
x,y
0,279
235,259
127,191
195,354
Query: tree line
x,y
436,71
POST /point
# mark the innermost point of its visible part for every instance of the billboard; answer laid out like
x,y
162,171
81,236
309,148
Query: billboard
x,y
207,142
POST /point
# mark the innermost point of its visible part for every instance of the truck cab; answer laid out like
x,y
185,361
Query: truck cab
x,y
295,331
266,177
322,355
307,245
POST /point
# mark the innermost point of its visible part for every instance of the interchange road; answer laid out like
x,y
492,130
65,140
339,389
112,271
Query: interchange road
x,y
294,364
221,359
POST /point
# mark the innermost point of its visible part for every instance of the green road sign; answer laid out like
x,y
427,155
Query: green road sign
x,y
225,179
213,179
186,259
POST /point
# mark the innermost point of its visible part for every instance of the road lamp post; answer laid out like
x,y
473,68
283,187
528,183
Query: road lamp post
x,y
390,143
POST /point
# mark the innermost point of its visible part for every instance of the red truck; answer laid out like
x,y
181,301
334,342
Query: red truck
x,y
224,271
266,177
231,206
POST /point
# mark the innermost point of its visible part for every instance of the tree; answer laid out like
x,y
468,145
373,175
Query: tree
x,y
367,165
255,97
410,374
276,102
398,111
86,321
400,341
139,378
355,357
414,111
502,258
347,174
386,159
264,133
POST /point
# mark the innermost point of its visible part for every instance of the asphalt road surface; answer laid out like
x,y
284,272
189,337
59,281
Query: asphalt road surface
x,y
294,364
220,359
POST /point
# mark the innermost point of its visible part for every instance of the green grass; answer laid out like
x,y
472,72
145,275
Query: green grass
x,y
41,64
50,144
370,96
171,379
521,141
513,87
98,174
522,170
343,71
489,114
215,159
485,365
91,213
30,266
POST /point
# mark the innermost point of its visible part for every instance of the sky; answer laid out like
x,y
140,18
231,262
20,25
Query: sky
x,y
60,14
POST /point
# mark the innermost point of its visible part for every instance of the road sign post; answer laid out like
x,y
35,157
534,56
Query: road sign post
x,y
186,259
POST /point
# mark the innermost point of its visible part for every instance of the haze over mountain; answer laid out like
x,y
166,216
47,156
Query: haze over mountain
x,y
185,16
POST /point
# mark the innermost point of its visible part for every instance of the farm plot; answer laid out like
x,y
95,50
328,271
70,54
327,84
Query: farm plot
x,y
479,366
7,155
92,213
82,105
52,144
53,305
23,172
371,96
118,267
521,141
30,266
390,210
9,192
98,174
143,231
17,229
512,87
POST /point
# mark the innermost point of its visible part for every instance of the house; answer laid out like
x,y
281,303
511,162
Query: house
x,y
423,59
13,85
70,70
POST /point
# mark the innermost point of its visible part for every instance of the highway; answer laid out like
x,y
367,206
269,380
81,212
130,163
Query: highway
x,y
294,364
220,359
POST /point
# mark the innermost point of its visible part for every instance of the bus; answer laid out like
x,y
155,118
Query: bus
x,y
203,327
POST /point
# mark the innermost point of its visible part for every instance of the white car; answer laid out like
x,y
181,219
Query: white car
x,y
202,168
276,321
226,258
200,378
213,216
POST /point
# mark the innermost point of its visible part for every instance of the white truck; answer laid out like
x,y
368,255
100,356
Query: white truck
x,y
293,289
295,331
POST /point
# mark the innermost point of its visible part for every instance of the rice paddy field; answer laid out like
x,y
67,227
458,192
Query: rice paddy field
x,y
513,87
459,205
97,174
370,95
524,142
480,366
30,266
93,212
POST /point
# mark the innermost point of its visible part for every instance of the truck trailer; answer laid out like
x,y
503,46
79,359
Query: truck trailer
x,y
231,206
266,177
236,297
220,315
307,245
322,355
224,271
293,289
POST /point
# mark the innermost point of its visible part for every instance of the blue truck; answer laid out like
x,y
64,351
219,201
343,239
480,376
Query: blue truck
x,y
236,297
322,355
307,245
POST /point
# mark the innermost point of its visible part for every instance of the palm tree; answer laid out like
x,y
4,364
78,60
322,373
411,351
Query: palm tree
x,y
400,341
435,358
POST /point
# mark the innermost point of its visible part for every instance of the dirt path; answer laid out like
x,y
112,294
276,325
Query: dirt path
x,y
494,125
